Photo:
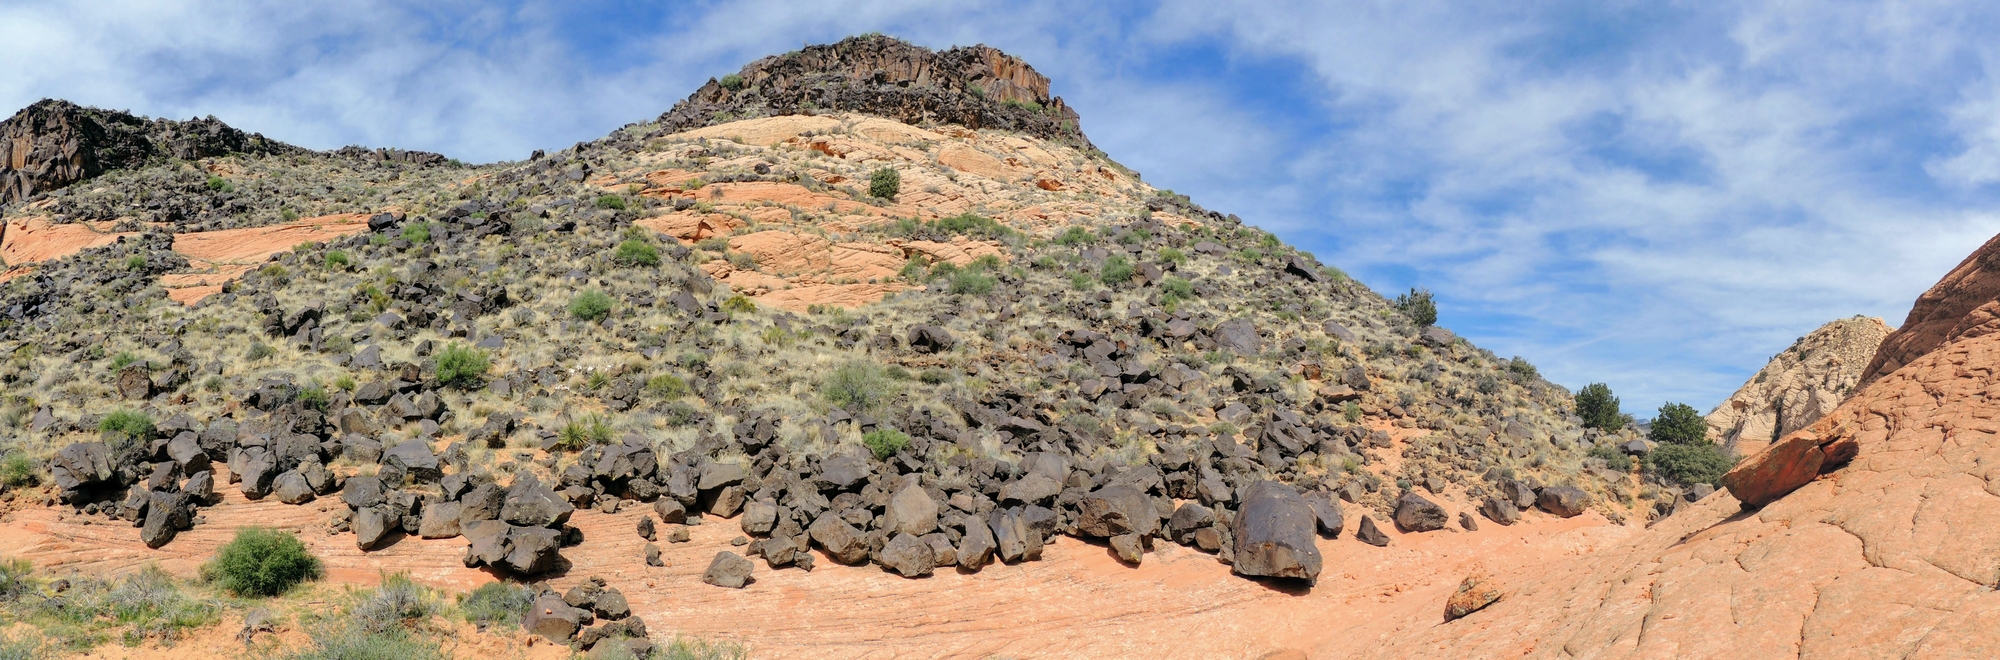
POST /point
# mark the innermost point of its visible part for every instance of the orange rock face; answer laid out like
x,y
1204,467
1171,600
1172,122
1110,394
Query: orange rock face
x,y
1941,313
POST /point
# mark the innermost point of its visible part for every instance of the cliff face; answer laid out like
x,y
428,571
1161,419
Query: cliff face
x,y
975,87
53,144
1798,386
1959,306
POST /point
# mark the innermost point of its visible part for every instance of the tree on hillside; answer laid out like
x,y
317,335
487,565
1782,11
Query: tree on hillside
x,y
1678,424
1598,408
1417,305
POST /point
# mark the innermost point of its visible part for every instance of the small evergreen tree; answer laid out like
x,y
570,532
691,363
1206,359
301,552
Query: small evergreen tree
x,y
1418,305
885,183
1678,424
1598,408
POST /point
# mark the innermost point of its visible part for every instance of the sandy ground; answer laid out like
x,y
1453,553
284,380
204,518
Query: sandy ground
x,y
1078,602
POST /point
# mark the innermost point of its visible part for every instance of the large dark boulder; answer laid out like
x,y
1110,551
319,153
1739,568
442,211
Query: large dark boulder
x,y
728,570
1327,513
1117,510
976,546
1500,510
166,515
441,520
554,619
373,525
929,339
913,511
532,550
1416,514
529,503
842,541
908,556
292,488
362,492
1239,335
1564,501
1273,531
1188,519
81,465
415,458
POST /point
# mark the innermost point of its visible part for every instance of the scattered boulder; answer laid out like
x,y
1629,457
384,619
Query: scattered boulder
x,y
1473,594
1274,534
1130,548
554,619
1117,510
1325,511
929,339
908,556
1564,501
728,570
842,541
1367,533
1416,514
1500,510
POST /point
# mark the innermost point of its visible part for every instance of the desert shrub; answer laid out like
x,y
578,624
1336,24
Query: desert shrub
x,y
288,215
1689,464
212,384
344,382
217,183
637,252
135,262
731,82
680,413
743,261
857,385
592,306
1617,459
1075,235
19,471
1173,256
973,281
667,386
1521,370
612,202
1352,412
1082,281
24,646
1419,306
690,648
1678,424
16,578
934,376
884,183
258,351
1598,408
582,432
460,365
337,642
336,259
314,397
739,304
130,424
1174,290
261,562
496,604
973,225
122,360
397,603
885,442
1117,270
417,232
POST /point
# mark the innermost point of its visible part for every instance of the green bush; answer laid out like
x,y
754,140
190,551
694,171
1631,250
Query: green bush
x,y
1117,270
496,604
612,202
261,562
461,366
130,424
417,232
973,281
217,183
1082,281
18,471
667,386
123,359
592,306
1598,408
636,252
973,225
135,262
1689,464
731,82
885,442
337,642
739,304
857,386
589,430
1075,235
885,183
1173,256
396,604
1521,370
1615,458
1418,305
1678,424
314,397
336,259
1352,412
1175,290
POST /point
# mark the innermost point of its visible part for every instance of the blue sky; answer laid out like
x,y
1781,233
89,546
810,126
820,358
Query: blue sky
x,y
1657,195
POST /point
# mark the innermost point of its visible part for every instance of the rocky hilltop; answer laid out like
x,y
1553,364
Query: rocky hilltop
x,y
975,87
52,144
1798,386
865,305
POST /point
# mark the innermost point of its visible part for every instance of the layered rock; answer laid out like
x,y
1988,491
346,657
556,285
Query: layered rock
x,y
1965,303
53,144
1798,386
975,87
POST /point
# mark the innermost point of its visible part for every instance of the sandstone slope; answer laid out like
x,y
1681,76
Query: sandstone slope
x,y
1798,386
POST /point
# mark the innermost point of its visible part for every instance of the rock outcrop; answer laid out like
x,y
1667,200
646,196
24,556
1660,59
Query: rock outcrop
x,y
975,87
1798,385
1965,303
53,144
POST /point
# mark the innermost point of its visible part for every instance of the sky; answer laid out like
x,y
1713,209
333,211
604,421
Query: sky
x,y
1656,195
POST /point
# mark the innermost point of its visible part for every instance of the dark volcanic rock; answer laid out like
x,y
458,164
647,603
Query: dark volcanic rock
x,y
1367,533
1274,534
728,570
1564,501
1416,514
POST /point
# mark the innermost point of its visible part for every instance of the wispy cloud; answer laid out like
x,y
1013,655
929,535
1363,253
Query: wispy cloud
x,y
1655,195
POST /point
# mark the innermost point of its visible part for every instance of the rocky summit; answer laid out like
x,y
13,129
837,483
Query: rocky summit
x,y
861,322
